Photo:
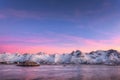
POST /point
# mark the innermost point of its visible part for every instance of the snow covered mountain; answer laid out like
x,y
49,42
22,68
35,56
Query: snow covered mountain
x,y
76,57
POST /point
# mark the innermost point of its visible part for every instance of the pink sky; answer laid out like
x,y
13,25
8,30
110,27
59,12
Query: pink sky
x,y
89,44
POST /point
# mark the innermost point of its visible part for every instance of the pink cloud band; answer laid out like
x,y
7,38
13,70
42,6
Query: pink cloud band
x,y
87,44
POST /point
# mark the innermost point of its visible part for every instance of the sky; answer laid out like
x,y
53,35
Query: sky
x,y
59,26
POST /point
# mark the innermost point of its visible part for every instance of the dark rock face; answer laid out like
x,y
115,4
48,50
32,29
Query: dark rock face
x,y
92,52
111,51
76,53
72,53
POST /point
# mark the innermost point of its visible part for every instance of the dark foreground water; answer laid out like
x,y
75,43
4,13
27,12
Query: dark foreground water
x,y
59,72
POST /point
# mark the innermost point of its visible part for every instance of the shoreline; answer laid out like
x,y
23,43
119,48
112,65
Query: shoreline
x,y
66,65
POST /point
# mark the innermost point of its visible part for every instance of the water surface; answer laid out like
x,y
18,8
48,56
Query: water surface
x,y
60,72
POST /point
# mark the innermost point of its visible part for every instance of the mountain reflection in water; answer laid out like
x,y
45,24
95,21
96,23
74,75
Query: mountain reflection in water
x,y
60,72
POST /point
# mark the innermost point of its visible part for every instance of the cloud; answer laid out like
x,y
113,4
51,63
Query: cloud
x,y
7,13
2,16
23,40
38,15
60,44
92,44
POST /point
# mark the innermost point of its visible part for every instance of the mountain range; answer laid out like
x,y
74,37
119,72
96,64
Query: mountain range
x,y
76,57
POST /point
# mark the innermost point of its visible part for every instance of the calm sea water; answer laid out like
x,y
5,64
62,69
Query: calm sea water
x,y
59,72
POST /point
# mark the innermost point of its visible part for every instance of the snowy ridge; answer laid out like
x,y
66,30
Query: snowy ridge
x,y
76,57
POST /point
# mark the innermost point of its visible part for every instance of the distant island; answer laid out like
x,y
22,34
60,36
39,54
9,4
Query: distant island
x,y
108,57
